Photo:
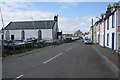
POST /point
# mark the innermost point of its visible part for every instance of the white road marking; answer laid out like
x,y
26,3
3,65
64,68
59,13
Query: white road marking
x,y
51,58
19,76
113,65
68,49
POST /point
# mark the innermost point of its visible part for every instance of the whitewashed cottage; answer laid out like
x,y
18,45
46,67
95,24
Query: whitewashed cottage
x,y
45,30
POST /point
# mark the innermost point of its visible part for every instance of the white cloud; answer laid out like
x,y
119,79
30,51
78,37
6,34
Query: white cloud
x,y
11,12
80,23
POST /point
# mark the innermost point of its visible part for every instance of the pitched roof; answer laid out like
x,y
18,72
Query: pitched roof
x,y
48,24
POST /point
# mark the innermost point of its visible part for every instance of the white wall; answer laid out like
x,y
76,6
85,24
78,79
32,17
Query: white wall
x,y
90,34
46,34
110,31
97,33
16,33
54,31
102,34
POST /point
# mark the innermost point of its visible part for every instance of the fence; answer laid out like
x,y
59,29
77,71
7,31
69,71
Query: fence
x,y
10,49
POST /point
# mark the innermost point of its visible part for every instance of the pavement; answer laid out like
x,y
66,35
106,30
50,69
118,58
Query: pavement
x,y
68,60
111,55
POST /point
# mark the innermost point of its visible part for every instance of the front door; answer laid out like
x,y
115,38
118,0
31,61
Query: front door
x,y
113,37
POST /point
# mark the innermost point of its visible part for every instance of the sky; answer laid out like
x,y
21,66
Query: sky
x,y
73,16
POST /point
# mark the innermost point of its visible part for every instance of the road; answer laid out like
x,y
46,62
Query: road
x,y
69,60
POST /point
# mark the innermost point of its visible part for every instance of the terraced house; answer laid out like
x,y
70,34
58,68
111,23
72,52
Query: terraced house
x,y
111,22
106,31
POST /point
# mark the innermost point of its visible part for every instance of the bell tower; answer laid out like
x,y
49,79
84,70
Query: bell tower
x,y
56,18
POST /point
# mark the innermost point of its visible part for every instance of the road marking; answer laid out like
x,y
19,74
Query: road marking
x,y
68,49
113,65
19,76
52,58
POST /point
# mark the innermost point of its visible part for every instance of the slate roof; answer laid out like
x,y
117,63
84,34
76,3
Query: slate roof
x,y
47,24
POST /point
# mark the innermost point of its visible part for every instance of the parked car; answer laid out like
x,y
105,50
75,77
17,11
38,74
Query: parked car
x,y
87,41
31,40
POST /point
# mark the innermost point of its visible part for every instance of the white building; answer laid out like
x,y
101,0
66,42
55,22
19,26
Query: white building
x,y
102,30
45,30
98,32
111,29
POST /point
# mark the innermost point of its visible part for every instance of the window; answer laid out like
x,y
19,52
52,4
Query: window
x,y
12,37
113,20
108,24
107,39
39,34
7,35
22,35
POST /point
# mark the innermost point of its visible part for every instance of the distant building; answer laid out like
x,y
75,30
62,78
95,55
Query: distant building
x,y
78,33
66,36
102,31
90,33
45,30
85,35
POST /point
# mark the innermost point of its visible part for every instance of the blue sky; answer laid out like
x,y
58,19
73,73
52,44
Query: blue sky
x,y
72,15
75,10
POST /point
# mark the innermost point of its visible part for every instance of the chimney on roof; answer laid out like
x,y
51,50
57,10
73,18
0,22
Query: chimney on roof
x,y
109,9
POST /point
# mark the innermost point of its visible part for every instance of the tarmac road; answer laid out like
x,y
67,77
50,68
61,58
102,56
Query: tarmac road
x,y
69,60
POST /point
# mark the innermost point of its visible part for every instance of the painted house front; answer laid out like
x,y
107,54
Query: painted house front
x,y
45,30
90,33
110,35
97,33
102,33
118,29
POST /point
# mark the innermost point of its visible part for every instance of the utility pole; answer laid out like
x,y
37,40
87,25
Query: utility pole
x,y
92,30
2,45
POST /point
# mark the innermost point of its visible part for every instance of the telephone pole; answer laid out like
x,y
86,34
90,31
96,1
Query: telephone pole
x,y
2,44
92,30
